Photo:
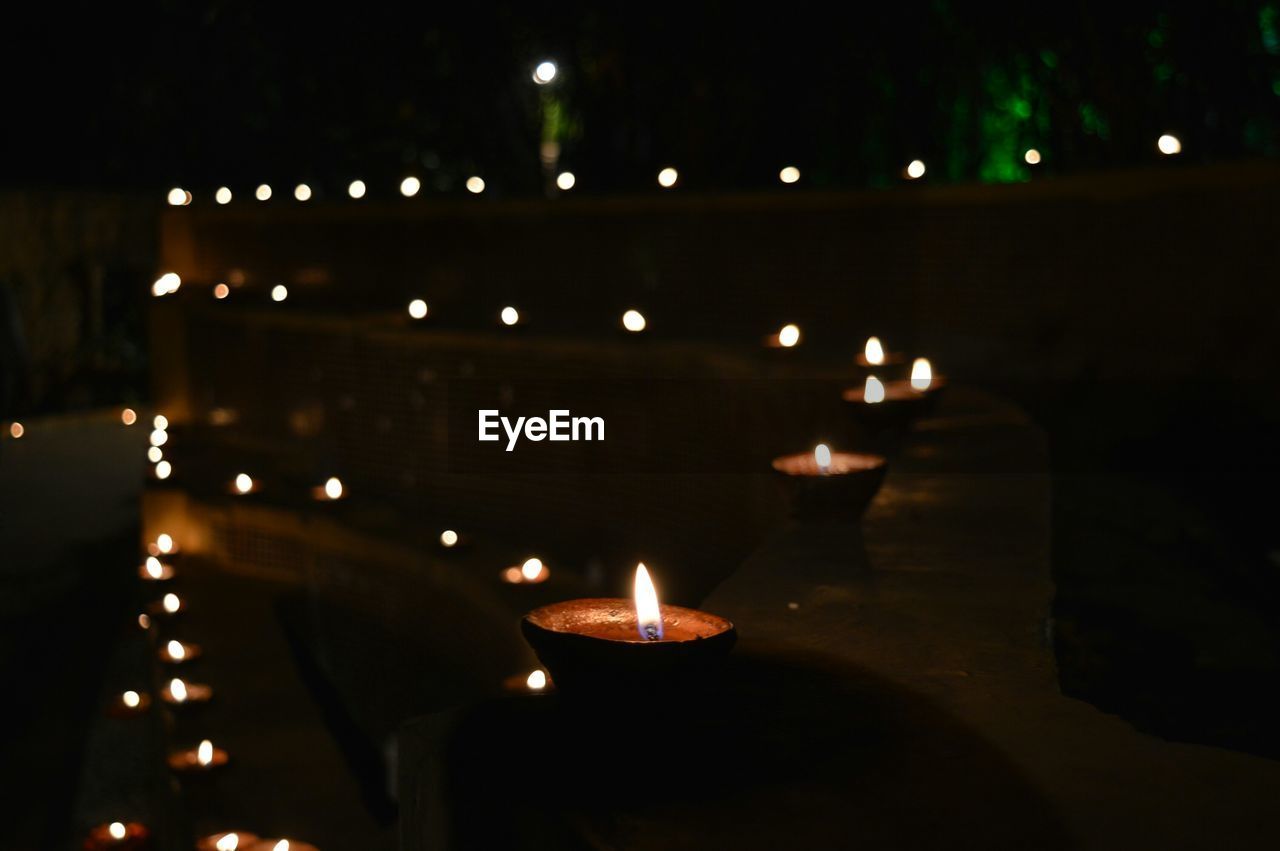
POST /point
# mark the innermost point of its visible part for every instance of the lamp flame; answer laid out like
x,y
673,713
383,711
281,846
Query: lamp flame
x,y
178,690
244,483
531,569
131,699
648,613
117,830
333,488
154,568
172,603
229,842
822,455
204,753
921,374
537,680
282,845
873,390
873,351
448,538
164,542
789,336
176,651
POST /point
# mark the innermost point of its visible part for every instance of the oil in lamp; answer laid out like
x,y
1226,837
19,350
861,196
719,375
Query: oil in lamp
x,y
599,645
826,484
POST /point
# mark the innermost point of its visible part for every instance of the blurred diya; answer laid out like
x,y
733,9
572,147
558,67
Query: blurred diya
x,y
118,836
787,337
178,692
203,757
163,546
451,539
231,840
243,485
823,483
331,491
873,355
129,704
280,845
169,605
174,652
895,404
605,644
532,572
155,570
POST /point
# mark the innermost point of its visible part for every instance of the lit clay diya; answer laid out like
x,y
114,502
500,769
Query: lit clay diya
x,y
118,836
830,484
280,845
893,404
230,840
178,692
603,644
202,758
129,705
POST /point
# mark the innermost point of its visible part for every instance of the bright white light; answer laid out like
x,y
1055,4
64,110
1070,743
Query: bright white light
x,y
537,680
410,186
279,292
921,374
475,185
531,569
873,390
418,309
159,437
510,316
1032,156
16,430
171,603
302,192
176,650
154,568
164,470
155,454
131,699
634,321
790,174
789,336
565,180
117,830
282,845
356,189
333,488
668,177
177,690
244,483
915,169
228,842
648,614
221,291
167,283
263,192
223,195
873,352
160,421
204,753
822,456
545,72
448,538
177,197
1169,145
164,542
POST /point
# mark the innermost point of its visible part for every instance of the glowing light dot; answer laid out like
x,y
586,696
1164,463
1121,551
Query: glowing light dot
x,y
531,569
873,352
790,174
159,437
144,621
448,538
510,316
418,309
160,421
921,374
229,842
333,488
177,690
164,470
154,454
789,336
668,177
263,192
223,195
475,185
128,416
302,192
545,72
1032,156
873,390
167,283
175,649
634,321
915,169
410,186
16,430
164,542
244,483
171,603
279,292
1169,145
204,753
565,180
177,197
154,568
221,291
356,189
282,845
117,830
537,680
131,699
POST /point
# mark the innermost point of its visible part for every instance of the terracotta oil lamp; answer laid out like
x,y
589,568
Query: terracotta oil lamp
x,y
203,758
596,645
229,840
826,484
178,692
895,405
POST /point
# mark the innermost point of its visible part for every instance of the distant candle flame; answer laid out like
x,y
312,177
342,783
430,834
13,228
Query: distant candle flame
x,y
229,842
176,650
822,455
131,699
178,690
531,569
282,845
117,830
537,680
204,753
921,374
154,568
164,543
873,391
874,352
648,614
160,421
448,538
172,603
333,488
159,437
244,483
789,336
